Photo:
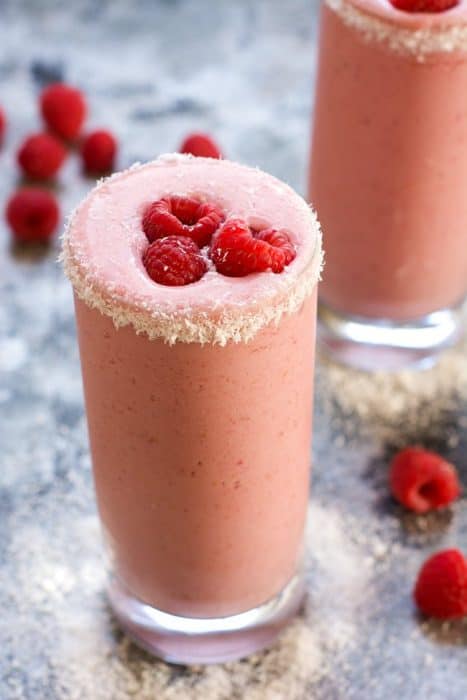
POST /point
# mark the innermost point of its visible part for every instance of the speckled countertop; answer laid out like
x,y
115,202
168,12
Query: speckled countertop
x,y
152,71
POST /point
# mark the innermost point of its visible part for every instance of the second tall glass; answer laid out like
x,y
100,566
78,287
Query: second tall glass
x,y
389,178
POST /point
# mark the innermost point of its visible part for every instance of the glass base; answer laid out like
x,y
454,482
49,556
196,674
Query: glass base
x,y
372,344
190,640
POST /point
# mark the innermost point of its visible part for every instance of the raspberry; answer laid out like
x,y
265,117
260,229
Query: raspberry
x,y
32,214
174,261
441,588
237,250
182,216
63,109
424,5
41,156
98,151
422,480
201,145
2,125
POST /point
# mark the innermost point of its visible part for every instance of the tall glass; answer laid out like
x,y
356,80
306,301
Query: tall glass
x,y
201,450
389,177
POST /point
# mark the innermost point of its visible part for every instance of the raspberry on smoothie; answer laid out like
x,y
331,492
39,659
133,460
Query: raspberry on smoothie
x,y
174,260
182,216
238,250
424,5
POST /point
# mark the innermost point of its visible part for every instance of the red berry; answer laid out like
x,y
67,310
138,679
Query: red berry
x,y
424,5
2,125
174,261
32,214
422,480
41,156
63,109
237,250
182,216
98,151
201,145
441,588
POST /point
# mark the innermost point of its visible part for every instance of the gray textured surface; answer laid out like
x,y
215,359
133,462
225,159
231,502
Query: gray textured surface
x,y
152,71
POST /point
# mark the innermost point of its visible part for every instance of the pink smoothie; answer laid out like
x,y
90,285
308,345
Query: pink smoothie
x,y
389,158
198,398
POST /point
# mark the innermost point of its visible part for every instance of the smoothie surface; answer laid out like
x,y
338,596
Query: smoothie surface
x,y
104,245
